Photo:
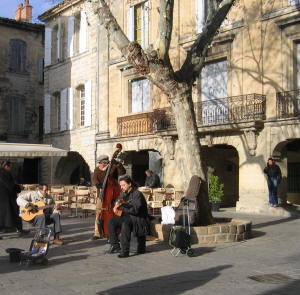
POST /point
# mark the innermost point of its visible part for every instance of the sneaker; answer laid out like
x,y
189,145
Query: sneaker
x,y
58,242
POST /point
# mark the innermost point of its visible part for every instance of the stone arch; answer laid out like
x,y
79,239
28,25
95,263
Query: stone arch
x,y
69,169
287,154
223,160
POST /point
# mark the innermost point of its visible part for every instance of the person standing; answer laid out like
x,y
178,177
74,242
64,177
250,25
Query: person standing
x,y
152,179
132,208
113,190
273,173
8,207
51,215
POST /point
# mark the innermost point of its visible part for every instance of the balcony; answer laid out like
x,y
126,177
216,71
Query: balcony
x,y
145,123
243,108
235,109
288,104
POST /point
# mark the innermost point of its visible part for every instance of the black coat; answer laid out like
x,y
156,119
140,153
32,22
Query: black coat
x,y
273,171
136,207
8,204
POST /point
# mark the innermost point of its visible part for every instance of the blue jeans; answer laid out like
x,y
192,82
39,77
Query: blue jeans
x,y
273,183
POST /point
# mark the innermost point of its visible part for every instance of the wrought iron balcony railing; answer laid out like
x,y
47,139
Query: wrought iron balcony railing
x,y
145,123
250,107
288,104
233,109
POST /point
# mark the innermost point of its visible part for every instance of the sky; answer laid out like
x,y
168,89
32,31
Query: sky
x,y
8,7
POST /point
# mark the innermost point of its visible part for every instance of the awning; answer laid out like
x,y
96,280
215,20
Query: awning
x,y
24,150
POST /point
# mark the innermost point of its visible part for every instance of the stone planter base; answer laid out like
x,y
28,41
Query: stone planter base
x,y
225,230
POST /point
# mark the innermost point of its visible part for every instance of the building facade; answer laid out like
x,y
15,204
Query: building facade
x,y
246,97
21,88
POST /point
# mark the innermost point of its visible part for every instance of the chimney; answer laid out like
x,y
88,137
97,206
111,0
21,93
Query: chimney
x,y
24,12
18,12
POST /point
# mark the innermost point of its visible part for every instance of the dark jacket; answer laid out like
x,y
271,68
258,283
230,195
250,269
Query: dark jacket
x,y
273,171
152,181
136,207
8,204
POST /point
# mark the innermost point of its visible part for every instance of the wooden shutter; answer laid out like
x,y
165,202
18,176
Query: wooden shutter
x,y
63,109
88,104
47,113
70,109
130,23
71,26
58,43
48,46
83,32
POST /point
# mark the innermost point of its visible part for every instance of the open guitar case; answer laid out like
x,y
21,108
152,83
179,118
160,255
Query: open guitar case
x,y
38,249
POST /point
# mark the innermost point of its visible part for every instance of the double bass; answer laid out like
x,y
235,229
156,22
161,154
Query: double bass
x,y
109,193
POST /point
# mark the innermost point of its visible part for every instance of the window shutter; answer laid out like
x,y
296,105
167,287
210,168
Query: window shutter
x,y
63,109
145,33
47,113
48,46
41,70
88,104
71,24
83,32
70,109
58,37
200,18
130,23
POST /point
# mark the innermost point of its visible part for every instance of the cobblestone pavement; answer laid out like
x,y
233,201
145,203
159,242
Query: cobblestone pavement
x,y
82,267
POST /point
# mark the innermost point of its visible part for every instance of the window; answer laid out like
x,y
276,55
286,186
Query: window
x,y
55,112
82,105
78,27
140,96
213,91
57,53
297,65
294,2
201,14
138,23
17,56
16,115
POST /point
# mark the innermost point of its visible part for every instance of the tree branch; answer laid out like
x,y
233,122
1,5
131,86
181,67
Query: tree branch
x,y
110,23
165,29
196,55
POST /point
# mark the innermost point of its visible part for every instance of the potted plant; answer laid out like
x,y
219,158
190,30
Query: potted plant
x,y
215,192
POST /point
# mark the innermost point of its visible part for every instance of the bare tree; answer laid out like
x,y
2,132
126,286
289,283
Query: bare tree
x,y
155,64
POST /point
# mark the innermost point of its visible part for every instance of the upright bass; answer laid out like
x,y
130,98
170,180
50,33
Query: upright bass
x,y
109,193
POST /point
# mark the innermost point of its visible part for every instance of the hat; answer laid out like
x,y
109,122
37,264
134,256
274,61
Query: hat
x,y
270,158
102,158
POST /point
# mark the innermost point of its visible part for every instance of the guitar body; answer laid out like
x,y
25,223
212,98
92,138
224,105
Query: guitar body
x,y
27,215
119,212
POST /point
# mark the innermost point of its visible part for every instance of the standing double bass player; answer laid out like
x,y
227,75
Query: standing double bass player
x,y
105,178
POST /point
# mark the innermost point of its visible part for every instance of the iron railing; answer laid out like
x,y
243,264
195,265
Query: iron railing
x,y
242,108
288,104
145,123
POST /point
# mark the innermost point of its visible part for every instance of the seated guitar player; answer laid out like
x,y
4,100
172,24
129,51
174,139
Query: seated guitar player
x,y
131,209
50,214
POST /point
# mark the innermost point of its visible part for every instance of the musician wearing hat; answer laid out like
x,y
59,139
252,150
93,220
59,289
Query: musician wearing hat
x,y
112,190
273,173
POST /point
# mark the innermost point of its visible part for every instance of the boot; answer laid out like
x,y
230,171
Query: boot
x,y
57,240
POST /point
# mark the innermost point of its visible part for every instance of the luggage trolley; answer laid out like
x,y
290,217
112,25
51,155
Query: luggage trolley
x,y
180,236
39,247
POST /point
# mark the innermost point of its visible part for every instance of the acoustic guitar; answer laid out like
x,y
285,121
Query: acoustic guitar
x,y
28,215
118,212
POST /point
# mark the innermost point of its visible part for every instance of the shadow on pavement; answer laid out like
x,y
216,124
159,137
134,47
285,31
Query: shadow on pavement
x,y
168,285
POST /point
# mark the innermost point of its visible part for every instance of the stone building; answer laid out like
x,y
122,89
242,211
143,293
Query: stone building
x,y
246,98
21,85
